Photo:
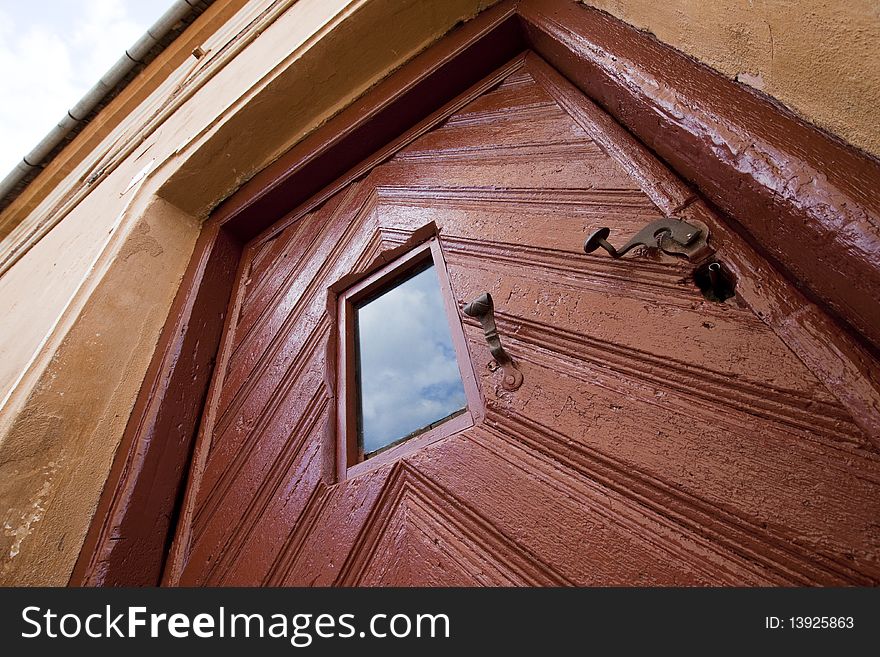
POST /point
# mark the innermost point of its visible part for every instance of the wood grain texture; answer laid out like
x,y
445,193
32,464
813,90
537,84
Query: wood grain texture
x,y
370,125
126,543
658,438
803,196
486,186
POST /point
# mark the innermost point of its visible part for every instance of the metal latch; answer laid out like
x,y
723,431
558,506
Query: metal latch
x,y
670,234
483,309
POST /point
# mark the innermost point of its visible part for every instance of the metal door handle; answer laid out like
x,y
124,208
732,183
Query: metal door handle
x,y
671,235
483,309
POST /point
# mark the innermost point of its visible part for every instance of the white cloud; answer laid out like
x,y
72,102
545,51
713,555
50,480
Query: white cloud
x,y
90,42
408,369
51,53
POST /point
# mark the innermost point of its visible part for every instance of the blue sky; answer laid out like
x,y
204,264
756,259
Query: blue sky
x,y
51,53
409,374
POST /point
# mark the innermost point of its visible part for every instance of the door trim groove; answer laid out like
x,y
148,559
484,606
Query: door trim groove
x,y
126,541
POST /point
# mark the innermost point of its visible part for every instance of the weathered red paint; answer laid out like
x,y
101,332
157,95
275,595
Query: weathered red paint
x,y
658,439
843,363
157,468
298,183
370,127
424,246
126,543
802,196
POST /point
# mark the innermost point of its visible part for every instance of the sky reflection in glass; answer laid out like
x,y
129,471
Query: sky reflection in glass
x,y
408,373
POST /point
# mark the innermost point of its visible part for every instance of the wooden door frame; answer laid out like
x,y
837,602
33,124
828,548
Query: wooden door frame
x,y
350,462
709,130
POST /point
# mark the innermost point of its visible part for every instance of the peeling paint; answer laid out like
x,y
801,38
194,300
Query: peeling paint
x,y
751,79
20,528
118,251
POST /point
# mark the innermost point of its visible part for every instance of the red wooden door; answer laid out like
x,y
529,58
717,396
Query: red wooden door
x,y
658,437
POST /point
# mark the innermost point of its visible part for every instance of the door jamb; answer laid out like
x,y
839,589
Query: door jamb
x,y
144,488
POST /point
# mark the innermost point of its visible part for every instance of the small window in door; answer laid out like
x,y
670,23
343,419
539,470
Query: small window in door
x,y
404,372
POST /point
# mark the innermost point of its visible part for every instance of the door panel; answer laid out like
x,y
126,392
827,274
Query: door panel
x,y
658,437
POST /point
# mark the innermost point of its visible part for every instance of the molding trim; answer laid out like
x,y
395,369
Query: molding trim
x,y
128,540
804,198
766,169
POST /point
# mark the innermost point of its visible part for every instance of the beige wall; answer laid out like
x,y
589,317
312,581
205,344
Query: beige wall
x,y
821,58
84,306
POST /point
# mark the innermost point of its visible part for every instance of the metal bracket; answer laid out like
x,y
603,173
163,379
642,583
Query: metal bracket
x,y
670,234
483,309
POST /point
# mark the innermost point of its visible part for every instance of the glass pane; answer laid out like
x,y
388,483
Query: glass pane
x,y
408,374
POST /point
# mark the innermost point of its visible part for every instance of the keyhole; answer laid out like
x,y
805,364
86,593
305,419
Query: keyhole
x,y
715,282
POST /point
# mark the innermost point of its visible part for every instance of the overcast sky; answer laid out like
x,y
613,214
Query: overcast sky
x,y
51,53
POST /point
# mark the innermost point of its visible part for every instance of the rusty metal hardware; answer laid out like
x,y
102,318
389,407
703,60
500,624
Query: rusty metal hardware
x,y
715,275
671,235
715,281
483,309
